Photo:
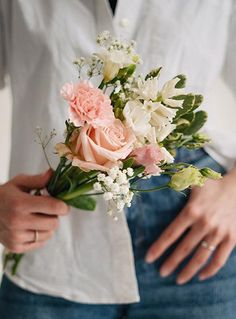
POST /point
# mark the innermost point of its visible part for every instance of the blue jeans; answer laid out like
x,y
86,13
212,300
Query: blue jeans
x,y
161,298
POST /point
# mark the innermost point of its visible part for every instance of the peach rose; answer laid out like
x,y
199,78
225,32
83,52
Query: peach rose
x,y
87,104
98,148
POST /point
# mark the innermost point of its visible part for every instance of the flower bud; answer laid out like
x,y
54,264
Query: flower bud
x,y
186,177
209,173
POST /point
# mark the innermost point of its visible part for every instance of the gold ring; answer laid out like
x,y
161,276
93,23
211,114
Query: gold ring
x,y
36,236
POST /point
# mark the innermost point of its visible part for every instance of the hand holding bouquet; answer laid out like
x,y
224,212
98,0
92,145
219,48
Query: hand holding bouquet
x,y
126,129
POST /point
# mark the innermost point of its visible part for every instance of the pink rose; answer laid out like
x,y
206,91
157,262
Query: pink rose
x,y
98,148
87,104
149,156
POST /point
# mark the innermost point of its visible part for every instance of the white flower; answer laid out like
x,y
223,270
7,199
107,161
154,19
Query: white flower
x,y
113,172
169,90
97,186
124,189
101,177
108,196
147,90
121,178
162,115
137,118
168,158
108,181
164,131
161,119
150,106
120,205
128,197
130,171
114,60
115,188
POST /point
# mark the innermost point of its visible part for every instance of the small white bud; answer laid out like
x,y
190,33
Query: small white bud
x,y
115,188
101,177
97,186
108,196
108,181
130,171
120,205
124,189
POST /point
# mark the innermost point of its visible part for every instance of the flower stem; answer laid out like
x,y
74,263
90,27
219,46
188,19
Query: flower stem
x,y
150,189
79,191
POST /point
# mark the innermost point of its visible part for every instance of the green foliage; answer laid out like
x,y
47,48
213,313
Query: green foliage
x,y
128,163
70,127
153,73
124,74
182,81
197,123
83,202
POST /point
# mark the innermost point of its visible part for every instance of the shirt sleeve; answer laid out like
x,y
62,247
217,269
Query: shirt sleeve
x,y
229,67
3,64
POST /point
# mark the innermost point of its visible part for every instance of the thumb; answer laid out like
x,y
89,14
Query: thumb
x,y
29,182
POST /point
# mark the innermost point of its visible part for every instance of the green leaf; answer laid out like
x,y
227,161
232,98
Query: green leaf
x,y
53,181
197,102
124,73
189,117
138,170
182,81
153,73
82,202
197,123
128,163
187,106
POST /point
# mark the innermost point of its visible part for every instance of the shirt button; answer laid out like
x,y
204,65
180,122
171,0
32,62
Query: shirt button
x,y
124,23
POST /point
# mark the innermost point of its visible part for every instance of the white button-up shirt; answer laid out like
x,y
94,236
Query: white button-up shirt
x,y
90,257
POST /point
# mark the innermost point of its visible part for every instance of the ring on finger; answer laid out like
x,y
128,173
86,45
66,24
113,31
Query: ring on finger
x,y
208,246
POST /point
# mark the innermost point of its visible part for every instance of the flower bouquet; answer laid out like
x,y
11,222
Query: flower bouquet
x,y
125,129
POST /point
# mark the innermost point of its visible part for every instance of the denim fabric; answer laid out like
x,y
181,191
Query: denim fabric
x,y
161,298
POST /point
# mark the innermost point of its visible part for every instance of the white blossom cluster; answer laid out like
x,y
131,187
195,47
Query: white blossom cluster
x,y
150,110
116,188
115,54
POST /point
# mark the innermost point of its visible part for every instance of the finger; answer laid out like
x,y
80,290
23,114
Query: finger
x,y
199,259
185,247
20,249
219,259
46,205
168,237
41,222
28,236
29,182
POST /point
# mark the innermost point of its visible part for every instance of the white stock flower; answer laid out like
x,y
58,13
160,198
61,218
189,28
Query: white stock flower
x,y
150,106
147,90
168,91
137,118
168,158
161,119
164,131
162,115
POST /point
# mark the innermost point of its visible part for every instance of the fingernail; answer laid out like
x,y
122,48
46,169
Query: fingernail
x,y
164,272
180,281
149,258
202,277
